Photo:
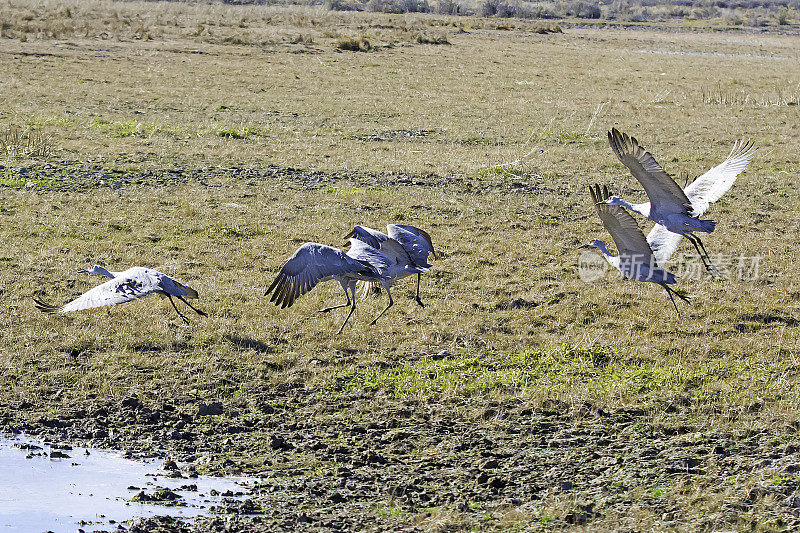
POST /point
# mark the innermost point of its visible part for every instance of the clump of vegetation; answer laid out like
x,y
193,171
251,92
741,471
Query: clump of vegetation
x,y
399,6
354,44
547,28
16,142
785,15
428,39
730,96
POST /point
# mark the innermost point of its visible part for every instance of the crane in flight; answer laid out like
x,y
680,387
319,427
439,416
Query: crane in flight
x,y
126,286
415,241
315,263
636,259
674,210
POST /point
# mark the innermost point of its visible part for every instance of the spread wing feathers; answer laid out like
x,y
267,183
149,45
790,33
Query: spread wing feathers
x,y
46,307
310,264
713,184
370,236
395,252
665,195
663,243
622,226
114,291
417,242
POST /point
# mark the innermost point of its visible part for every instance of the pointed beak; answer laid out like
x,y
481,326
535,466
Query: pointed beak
x,y
349,235
81,270
583,246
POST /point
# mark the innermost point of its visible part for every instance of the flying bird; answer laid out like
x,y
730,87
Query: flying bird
x,y
415,241
636,259
124,287
674,210
314,263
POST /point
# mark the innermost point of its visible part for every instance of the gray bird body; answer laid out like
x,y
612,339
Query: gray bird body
x,y
125,286
315,263
414,248
675,210
636,259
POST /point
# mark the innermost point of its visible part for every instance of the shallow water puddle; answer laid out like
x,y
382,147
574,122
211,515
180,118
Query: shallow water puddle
x,y
45,487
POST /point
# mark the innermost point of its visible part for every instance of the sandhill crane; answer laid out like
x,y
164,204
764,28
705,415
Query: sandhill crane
x,y
636,258
314,263
124,287
415,241
673,209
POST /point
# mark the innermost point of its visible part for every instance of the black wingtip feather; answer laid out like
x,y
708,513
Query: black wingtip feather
x,y
46,307
274,284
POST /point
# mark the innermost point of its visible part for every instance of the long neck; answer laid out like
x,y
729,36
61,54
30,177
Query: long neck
x,y
612,259
642,209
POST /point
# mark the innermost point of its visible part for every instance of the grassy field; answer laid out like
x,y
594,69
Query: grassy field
x,y
208,142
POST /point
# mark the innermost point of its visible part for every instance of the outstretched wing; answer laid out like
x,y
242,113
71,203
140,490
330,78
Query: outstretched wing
x,y
665,195
663,243
622,226
713,184
310,264
370,236
396,252
416,242
114,291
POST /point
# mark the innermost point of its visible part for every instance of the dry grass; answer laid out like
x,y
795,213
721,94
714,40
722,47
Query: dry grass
x,y
502,131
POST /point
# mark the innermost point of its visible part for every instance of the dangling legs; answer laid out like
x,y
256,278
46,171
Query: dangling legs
x,y
391,303
186,320
713,270
352,307
670,292
417,298
344,288
199,312
695,240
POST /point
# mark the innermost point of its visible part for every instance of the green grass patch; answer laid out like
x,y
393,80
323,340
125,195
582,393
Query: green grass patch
x,y
388,510
598,370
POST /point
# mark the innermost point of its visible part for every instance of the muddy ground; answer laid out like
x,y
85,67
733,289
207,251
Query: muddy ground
x,y
370,461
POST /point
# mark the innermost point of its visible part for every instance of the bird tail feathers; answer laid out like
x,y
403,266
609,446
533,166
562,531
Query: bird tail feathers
x,y
707,226
370,287
190,292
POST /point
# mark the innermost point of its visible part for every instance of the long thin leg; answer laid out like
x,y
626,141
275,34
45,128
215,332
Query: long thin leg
x,y
691,238
352,308
669,292
344,288
193,308
695,240
715,271
186,320
417,298
391,303
682,297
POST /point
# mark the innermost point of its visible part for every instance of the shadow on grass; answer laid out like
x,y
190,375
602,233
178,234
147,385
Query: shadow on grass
x,y
770,317
245,343
149,347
